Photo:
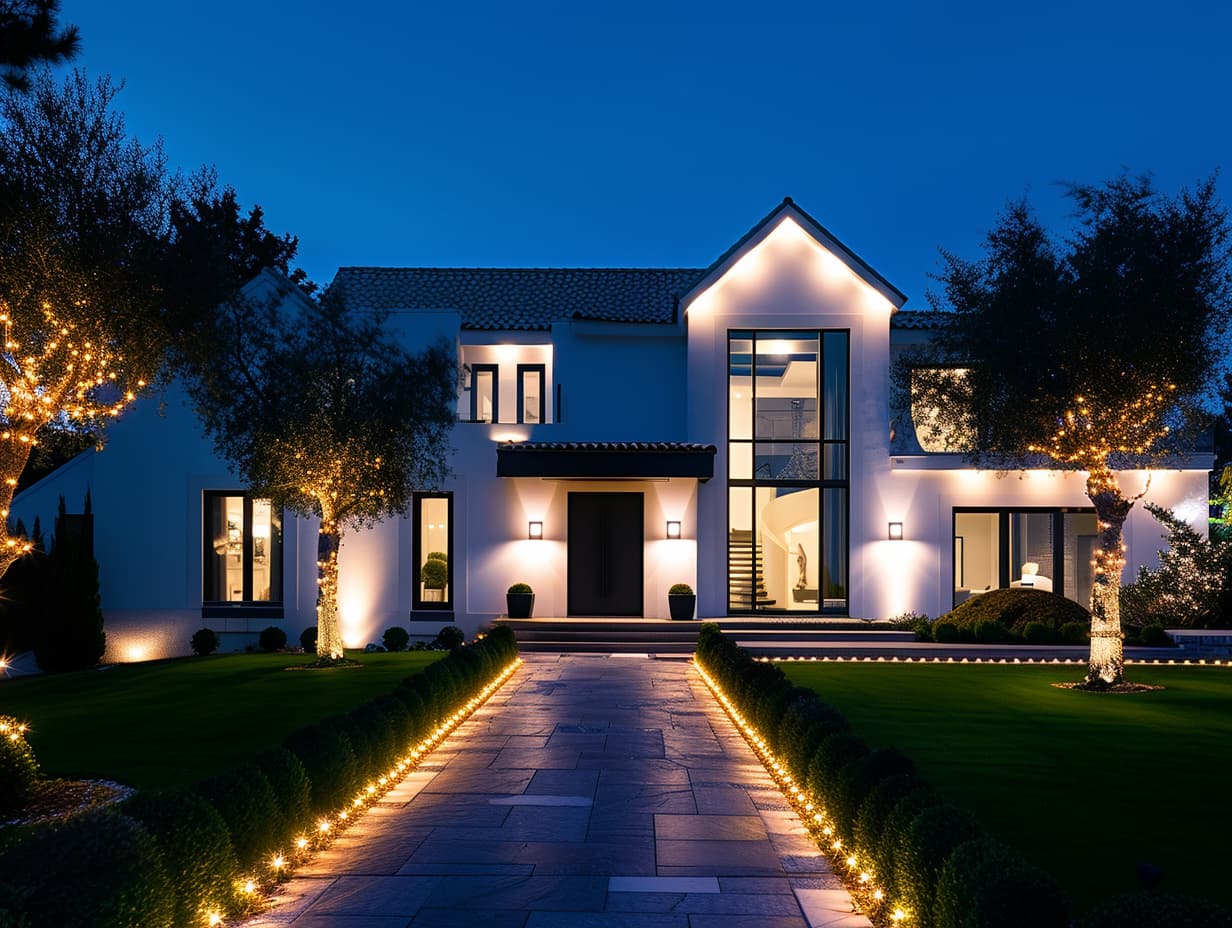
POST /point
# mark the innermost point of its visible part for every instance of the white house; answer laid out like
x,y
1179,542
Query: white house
x,y
619,431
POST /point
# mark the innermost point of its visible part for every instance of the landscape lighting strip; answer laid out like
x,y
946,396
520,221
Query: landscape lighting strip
x,y
810,809
280,866
1022,661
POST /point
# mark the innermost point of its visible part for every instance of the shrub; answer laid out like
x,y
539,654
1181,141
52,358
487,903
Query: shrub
x,y
876,809
292,792
835,753
907,621
1148,910
923,629
19,770
70,634
396,638
1154,636
680,589
308,639
449,638
272,638
992,633
246,802
806,723
96,870
195,847
329,761
945,632
520,589
856,780
1076,632
923,849
985,883
434,574
204,641
885,853
437,556
1014,608
383,742
1040,633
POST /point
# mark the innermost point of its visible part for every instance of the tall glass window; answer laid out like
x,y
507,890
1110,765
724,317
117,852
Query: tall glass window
x,y
433,550
242,552
787,471
485,393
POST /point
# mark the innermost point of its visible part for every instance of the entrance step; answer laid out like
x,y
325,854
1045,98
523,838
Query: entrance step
x,y
661,636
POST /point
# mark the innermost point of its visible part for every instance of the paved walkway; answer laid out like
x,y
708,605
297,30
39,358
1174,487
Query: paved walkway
x,y
590,792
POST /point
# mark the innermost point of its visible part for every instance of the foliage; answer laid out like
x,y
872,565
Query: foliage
x,y
246,802
322,410
30,34
1014,609
1162,910
1191,588
945,632
195,848
985,883
18,769
449,638
437,556
21,592
329,760
1040,633
680,589
520,589
96,870
308,639
292,791
70,635
1075,633
396,638
204,641
83,229
434,574
1154,636
272,638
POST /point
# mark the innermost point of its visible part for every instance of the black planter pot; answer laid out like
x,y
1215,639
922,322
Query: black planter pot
x,y
520,605
682,605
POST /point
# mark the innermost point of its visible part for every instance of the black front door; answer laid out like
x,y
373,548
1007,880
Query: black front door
x,y
605,553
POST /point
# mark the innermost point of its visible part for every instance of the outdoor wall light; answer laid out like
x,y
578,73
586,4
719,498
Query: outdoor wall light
x,y
535,530
673,529
896,531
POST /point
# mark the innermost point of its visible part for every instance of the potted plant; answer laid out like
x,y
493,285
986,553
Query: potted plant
x,y
520,601
681,601
435,575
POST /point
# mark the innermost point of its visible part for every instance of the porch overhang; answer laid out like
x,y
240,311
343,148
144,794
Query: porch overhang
x,y
598,460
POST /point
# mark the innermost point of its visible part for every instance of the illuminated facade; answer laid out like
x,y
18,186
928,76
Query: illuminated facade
x,y
619,431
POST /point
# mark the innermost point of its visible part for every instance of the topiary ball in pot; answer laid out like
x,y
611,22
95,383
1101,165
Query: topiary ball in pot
x,y
681,601
520,601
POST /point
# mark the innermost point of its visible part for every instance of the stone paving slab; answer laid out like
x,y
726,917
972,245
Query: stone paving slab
x,y
592,791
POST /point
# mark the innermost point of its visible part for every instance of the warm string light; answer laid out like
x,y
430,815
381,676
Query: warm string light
x,y
1090,432
847,861
1023,661
255,889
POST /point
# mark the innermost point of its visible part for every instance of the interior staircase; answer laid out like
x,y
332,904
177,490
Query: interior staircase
x,y
745,581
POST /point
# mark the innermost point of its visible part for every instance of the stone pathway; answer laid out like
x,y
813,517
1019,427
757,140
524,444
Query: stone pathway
x,y
592,791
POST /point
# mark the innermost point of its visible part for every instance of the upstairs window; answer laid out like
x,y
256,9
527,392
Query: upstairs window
x,y
941,409
530,393
485,393
242,554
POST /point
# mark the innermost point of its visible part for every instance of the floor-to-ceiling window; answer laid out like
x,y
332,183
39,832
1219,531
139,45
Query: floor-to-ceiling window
x,y
1042,549
242,566
787,471
432,550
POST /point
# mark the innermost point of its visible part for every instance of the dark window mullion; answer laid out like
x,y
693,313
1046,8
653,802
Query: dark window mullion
x,y
246,551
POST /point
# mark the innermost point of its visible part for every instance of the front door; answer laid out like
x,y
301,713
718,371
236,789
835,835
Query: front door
x,y
605,553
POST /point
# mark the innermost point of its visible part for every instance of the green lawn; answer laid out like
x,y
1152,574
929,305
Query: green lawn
x,y
1087,786
172,722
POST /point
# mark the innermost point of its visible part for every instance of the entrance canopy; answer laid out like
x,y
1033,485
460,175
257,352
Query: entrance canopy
x,y
605,459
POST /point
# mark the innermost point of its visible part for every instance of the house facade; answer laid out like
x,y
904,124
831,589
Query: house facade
x,y
619,431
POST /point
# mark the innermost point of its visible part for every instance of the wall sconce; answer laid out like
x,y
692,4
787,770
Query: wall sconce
x,y
896,531
535,531
673,529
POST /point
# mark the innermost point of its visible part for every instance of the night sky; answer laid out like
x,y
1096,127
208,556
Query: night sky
x,y
656,133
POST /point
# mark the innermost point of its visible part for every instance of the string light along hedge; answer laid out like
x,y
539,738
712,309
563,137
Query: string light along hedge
x,y
1023,661
195,857
907,857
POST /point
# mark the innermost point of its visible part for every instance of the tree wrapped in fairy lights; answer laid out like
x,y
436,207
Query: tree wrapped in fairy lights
x,y
1093,353
83,226
324,412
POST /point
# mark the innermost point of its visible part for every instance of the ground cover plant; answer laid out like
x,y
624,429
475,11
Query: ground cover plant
x,y
169,723
1032,764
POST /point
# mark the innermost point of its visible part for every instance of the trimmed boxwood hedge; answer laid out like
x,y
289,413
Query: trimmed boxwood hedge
x,y
1163,910
157,860
929,857
1013,610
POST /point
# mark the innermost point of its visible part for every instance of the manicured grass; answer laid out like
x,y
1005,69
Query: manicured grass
x,y
1087,786
173,722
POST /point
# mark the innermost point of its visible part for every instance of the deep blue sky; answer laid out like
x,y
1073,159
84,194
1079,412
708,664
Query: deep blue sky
x,y
655,133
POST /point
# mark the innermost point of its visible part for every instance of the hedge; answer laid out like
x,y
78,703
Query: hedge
x,y
1163,910
163,859
1009,616
930,858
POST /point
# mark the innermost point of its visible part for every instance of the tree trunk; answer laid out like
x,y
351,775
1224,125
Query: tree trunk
x,y
1106,664
329,628
14,453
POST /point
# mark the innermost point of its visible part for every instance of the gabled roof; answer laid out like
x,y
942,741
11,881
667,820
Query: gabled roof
x,y
521,298
824,237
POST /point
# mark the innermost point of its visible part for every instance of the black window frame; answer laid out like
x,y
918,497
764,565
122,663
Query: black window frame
x,y
821,484
272,608
542,370
418,604
494,370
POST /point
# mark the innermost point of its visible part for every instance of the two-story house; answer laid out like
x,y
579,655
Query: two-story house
x,y
619,431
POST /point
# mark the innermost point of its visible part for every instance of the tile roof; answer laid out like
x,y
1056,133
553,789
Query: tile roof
x,y
919,319
632,447
521,298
